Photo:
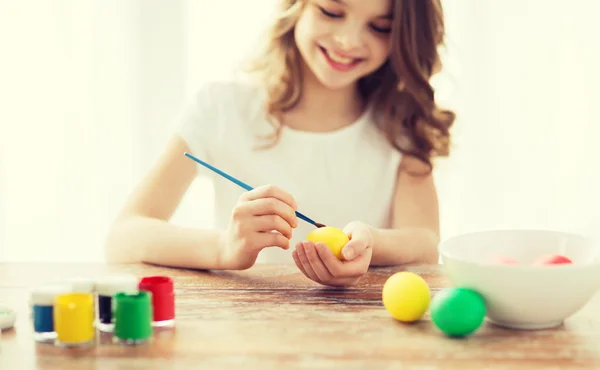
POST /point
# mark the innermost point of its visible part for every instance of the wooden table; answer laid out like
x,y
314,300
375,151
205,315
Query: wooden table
x,y
271,317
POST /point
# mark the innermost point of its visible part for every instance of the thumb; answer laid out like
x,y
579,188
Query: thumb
x,y
360,239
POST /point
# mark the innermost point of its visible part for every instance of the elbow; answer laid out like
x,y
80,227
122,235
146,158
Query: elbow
x,y
113,251
432,257
431,243
117,244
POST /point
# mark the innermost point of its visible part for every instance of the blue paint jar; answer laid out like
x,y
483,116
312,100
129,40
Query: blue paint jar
x,y
42,310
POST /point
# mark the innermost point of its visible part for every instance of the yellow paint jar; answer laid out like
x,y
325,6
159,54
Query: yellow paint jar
x,y
74,319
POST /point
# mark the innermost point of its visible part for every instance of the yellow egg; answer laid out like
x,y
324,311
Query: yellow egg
x,y
406,296
333,237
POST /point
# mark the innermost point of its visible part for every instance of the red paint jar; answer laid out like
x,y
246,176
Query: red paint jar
x,y
163,299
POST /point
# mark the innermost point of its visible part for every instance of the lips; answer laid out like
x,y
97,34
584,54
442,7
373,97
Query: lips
x,y
340,62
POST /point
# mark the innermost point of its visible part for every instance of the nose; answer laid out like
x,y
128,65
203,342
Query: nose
x,y
348,37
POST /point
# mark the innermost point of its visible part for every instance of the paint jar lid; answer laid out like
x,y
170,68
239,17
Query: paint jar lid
x,y
44,295
81,284
133,316
158,285
117,283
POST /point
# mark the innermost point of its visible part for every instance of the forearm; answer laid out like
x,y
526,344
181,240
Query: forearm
x,y
141,239
403,246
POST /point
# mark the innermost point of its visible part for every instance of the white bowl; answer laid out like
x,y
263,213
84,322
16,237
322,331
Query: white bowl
x,y
524,296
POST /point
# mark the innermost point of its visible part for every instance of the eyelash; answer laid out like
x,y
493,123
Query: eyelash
x,y
337,16
328,14
381,30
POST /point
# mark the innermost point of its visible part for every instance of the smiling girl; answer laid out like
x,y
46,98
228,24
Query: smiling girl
x,y
342,126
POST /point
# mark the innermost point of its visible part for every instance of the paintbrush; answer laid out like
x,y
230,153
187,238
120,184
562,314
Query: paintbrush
x,y
244,185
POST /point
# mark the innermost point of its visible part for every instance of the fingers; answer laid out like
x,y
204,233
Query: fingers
x,y
273,222
272,206
361,238
263,217
265,209
353,249
298,262
303,260
316,263
270,191
269,239
339,269
350,227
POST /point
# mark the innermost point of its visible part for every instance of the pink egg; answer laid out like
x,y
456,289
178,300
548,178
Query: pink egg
x,y
503,260
551,259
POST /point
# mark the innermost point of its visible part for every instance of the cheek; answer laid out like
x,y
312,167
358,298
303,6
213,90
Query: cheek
x,y
302,39
380,50
299,31
304,29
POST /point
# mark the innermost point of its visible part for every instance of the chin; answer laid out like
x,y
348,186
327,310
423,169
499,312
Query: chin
x,y
333,83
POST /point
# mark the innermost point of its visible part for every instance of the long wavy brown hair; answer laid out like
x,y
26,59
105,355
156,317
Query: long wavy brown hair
x,y
404,106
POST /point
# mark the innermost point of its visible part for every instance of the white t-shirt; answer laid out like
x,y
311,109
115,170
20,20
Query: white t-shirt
x,y
336,177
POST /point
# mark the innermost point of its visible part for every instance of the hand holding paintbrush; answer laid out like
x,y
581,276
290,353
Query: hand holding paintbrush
x,y
244,185
258,213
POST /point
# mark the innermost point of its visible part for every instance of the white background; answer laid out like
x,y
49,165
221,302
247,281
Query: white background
x,y
89,88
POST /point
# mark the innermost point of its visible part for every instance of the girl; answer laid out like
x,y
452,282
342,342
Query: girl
x,y
343,127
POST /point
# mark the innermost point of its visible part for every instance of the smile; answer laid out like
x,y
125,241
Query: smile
x,y
339,62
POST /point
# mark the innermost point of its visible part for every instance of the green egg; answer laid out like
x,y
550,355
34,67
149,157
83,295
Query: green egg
x,y
458,312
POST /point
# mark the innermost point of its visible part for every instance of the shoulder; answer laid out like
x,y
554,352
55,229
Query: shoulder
x,y
216,105
227,97
218,112
379,139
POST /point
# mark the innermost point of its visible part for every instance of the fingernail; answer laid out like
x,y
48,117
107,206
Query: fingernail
x,y
348,253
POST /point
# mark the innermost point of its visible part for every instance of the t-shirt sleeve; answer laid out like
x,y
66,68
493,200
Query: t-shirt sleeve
x,y
197,121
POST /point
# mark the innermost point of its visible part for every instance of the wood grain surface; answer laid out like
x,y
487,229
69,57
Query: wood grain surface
x,y
272,317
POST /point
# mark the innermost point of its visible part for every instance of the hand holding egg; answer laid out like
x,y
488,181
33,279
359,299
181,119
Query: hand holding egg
x,y
335,257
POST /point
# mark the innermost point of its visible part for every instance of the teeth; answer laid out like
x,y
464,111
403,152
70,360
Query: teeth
x,y
339,59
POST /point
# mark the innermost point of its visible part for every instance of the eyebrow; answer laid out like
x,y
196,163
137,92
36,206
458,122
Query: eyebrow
x,y
342,2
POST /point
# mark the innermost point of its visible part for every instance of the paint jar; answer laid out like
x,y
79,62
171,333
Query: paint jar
x,y
163,299
42,310
106,289
74,319
133,317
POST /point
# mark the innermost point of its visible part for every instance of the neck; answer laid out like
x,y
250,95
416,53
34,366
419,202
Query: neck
x,y
324,109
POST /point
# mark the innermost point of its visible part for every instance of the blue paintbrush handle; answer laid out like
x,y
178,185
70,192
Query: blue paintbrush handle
x,y
240,183
228,177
